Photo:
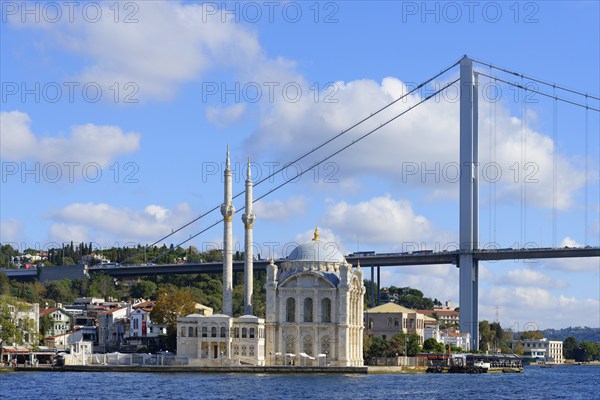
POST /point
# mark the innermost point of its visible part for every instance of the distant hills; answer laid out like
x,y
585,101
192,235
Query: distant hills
x,y
580,334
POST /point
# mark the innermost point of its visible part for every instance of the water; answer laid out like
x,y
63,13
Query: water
x,y
573,382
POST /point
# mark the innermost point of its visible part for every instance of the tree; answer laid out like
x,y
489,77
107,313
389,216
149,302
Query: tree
x,y
414,344
397,345
532,335
379,348
4,284
143,290
194,258
518,349
485,335
588,352
170,305
433,346
570,348
102,285
46,323
60,291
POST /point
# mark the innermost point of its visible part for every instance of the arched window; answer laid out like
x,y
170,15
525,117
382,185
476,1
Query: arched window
x,y
223,331
183,331
213,331
290,310
244,332
308,345
290,344
326,310
251,333
308,309
191,331
204,332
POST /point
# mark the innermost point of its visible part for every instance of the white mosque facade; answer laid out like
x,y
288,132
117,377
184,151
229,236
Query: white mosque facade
x,y
314,308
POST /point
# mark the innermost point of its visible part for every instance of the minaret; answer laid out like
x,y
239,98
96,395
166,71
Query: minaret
x,y
227,210
248,219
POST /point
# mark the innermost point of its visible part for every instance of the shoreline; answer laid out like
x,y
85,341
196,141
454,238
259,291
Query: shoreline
x,y
187,369
242,369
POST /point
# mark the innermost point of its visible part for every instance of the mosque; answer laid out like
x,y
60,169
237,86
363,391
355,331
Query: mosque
x,y
314,306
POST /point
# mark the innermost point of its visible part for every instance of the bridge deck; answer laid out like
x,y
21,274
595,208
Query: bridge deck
x,y
382,260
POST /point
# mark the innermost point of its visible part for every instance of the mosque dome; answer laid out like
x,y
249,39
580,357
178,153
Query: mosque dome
x,y
317,251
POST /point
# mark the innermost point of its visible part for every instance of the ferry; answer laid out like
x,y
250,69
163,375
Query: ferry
x,y
474,363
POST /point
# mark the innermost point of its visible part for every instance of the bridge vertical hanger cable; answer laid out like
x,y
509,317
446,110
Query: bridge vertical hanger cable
x,y
495,157
554,165
490,160
586,182
521,167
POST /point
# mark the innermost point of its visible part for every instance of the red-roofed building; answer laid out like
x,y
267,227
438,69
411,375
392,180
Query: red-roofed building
x,y
113,327
58,321
444,317
64,340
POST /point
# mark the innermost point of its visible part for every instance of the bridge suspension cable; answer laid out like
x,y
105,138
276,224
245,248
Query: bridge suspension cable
x,y
554,85
316,164
582,105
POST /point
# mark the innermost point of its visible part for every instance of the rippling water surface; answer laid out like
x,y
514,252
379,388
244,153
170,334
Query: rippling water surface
x,y
572,382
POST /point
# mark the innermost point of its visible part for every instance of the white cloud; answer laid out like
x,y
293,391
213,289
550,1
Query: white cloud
x,y
569,242
536,307
61,232
527,277
11,231
16,137
87,143
167,43
121,224
381,221
280,209
584,264
223,116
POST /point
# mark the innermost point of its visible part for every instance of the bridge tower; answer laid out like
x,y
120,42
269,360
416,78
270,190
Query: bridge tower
x,y
469,203
227,210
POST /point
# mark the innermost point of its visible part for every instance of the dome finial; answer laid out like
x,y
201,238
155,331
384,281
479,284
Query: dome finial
x,y
316,235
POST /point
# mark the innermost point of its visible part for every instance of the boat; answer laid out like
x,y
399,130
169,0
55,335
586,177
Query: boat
x,y
486,363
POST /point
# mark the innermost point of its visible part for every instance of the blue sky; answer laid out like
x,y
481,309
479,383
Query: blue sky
x,y
116,116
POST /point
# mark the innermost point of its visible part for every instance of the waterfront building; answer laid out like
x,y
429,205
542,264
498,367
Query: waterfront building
x,y
457,339
390,319
26,317
432,329
64,340
542,349
314,306
140,323
445,317
111,328
221,340
60,321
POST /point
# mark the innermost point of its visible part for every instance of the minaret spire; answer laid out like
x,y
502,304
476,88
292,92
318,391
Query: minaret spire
x,y
227,210
248,219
